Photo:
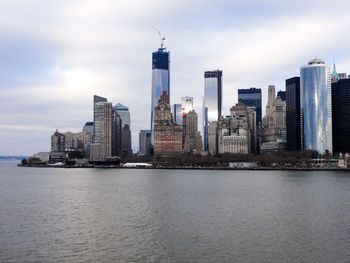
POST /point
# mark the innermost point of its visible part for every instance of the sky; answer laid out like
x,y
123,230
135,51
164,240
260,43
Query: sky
x,y
55,55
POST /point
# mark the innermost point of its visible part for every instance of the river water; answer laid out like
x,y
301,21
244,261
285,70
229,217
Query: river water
x,y
127,215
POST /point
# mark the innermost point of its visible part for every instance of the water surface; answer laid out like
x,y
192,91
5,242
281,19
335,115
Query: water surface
x,y
126,215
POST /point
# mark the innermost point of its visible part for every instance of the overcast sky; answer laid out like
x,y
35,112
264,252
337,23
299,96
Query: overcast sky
x,y
55,55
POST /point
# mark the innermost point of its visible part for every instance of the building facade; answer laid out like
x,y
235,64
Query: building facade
x,y
167,134
341,116
212,101
192,137
103,131
89,127
252,98
96,100
123,112
160,78
274,123
213,138
236,132
116,134
77,141
282,94
58,142
316,103
145,142
293,117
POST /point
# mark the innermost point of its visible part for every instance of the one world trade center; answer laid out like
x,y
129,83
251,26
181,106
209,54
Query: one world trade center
x,y
160,78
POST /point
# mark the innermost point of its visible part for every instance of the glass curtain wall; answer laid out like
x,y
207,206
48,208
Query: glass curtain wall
x,y
316,106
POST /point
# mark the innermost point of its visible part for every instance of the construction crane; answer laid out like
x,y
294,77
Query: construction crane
x,y
161,37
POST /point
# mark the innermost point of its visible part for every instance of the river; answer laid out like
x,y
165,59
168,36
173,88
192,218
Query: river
x,y
133,215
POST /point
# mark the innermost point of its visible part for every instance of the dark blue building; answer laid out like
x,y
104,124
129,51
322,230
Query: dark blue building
x,y
282,95
341,116
252,98
293,117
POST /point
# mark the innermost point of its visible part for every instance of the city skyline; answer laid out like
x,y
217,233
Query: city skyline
x,y
47,80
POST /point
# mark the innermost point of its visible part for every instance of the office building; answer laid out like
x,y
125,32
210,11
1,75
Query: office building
x,y
192,137
145,142
160,78
341,116
116,134
76,141
293,117
274,123
236,132
124,114
342,75
58,142
212,101
96,100
89,127
316,111
167,134
252,98
213,138
103,131
282,95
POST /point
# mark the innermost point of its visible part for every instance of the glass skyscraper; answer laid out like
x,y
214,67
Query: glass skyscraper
x,y
124,114
212,101
160,78
252,98
316,106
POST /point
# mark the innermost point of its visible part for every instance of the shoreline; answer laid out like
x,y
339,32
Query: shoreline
x,y
196,168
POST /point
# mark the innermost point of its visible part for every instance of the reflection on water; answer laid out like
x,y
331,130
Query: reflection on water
x,y
117,215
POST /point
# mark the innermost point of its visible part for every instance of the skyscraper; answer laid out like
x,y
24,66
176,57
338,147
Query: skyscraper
x,y
252,98
341,116
192,137
236,132
293,117
167,134
124,114
316,99
212,101
102,146
89,127
145,142
274,123
116,134
160,78
96,100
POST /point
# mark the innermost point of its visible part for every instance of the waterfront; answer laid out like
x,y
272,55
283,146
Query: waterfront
x,y
127,215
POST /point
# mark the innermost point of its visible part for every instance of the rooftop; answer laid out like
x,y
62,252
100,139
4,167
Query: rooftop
x,y
120,106
316,61
89,123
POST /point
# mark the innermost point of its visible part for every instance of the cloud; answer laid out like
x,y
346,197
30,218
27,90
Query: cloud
x,y
54,56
